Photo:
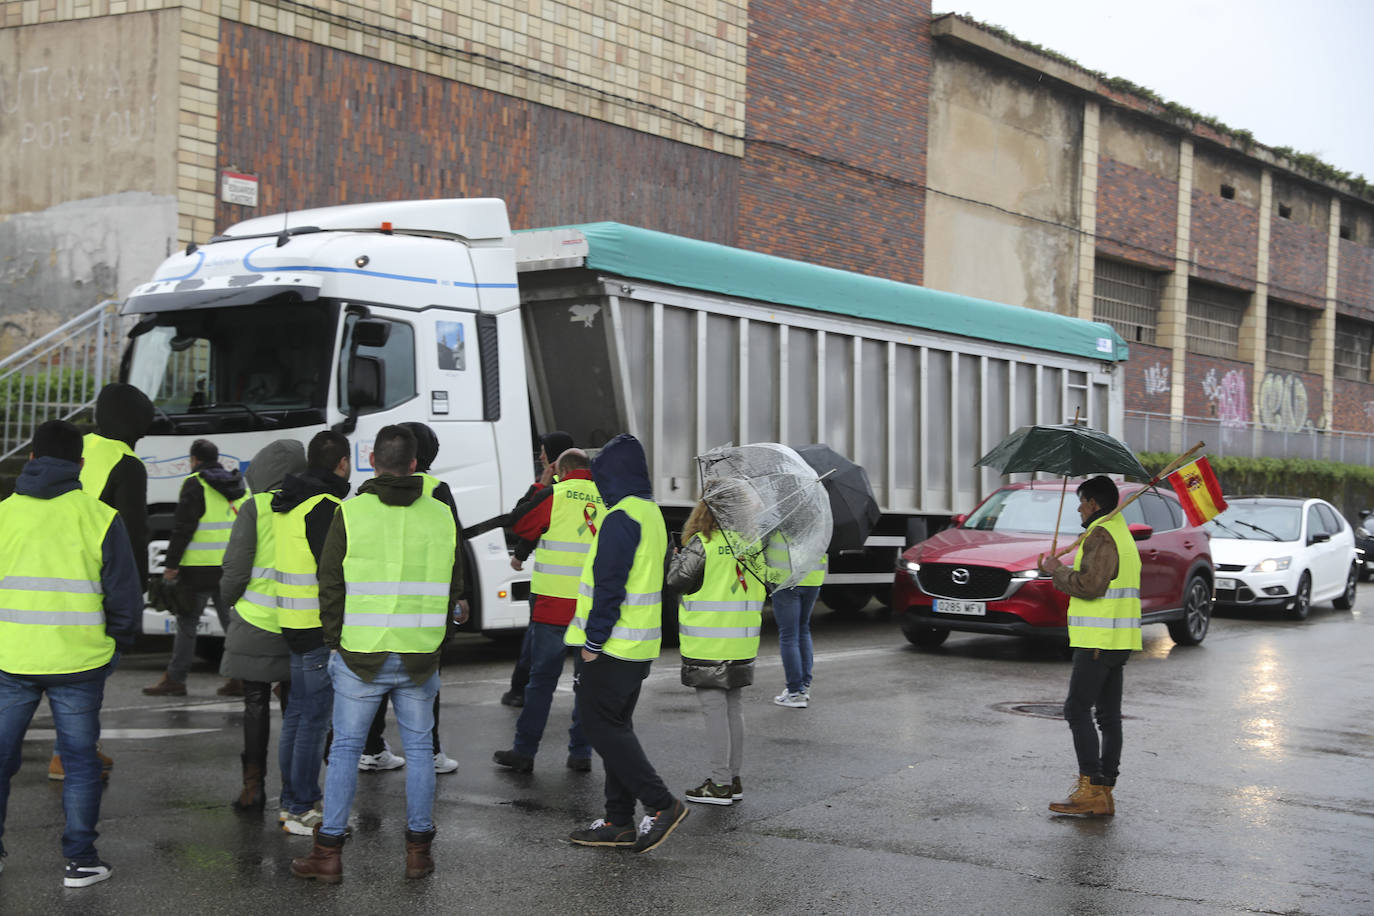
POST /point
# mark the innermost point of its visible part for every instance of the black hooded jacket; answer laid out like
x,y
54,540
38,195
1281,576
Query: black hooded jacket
x,y
190,507
124,413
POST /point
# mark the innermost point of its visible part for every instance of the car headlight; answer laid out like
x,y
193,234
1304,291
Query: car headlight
x,y
1273,564
1026,574
910,566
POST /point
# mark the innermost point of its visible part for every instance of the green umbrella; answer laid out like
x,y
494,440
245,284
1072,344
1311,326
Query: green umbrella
x,y
1074,451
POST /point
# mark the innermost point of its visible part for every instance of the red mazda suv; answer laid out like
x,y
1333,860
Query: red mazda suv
x,y
980,576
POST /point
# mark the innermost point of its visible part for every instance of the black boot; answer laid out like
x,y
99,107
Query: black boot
x,y
251,796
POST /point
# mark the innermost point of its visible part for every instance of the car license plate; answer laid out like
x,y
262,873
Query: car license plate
x,y
967,608
1227,584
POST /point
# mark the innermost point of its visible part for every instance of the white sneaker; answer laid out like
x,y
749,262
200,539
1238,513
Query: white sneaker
x,y
383,761
303,824
282,815
444,764
797,700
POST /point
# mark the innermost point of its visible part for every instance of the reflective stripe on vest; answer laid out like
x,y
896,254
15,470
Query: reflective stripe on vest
x,y
1112,621
297,574
574,515
396,574
52,612
99,456
721,620
212,531
258,606
638,631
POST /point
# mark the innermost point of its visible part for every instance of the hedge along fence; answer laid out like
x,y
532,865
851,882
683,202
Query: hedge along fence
x,y
1348,487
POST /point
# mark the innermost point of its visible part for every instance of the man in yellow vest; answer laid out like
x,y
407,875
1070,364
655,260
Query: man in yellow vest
x,y
205,512
69,600
1103,586
618,626
390,576
562,523
112,473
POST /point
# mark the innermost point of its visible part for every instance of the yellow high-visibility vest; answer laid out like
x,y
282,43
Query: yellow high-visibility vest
x,y
296,573
396,574
52,612
559,556
639,630
99,455
212,531
722,619
1112,621
258,604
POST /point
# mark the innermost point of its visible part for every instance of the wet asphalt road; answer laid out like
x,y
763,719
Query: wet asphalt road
x,y
912,785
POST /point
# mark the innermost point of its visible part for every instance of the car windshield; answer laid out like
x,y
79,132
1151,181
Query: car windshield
x,y
1257,522
1026,510
251,366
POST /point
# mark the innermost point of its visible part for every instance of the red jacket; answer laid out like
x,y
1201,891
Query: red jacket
x,y
530,521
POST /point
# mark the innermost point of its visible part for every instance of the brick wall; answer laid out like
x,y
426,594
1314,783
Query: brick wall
x,y
1353,405
321,127
1225,241
849,86
1149,378
1217,388
1297,262
1290,401
1355,281
1136,217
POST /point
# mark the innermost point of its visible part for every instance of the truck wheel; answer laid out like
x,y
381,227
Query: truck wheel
x,y
1197,613
925,637
846,599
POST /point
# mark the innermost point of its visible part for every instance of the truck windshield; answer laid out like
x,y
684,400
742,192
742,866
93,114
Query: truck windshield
x,y
264,366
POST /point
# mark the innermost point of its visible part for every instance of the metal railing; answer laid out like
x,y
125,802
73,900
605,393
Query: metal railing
x,y
1157,432
58,375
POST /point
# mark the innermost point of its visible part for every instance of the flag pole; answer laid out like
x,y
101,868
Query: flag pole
x,y
1174,465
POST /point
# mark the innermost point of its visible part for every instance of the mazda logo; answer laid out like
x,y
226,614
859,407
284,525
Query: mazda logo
x,y
960,576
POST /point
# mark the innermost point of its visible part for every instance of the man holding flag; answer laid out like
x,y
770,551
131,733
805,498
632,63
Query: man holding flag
x,y
1103,586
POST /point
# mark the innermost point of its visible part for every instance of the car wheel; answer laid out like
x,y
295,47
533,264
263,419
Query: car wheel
x,y
925,637
1347,599
1197,613
1302,599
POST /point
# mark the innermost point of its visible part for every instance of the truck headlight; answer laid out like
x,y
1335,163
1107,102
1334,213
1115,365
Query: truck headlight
x,y
1273,564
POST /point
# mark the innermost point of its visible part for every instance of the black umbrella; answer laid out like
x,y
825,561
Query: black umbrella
x,y
1073,451
852,503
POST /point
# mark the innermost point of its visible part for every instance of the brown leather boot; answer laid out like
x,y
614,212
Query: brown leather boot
x,y
325,862
166,688
251,796
1111,802
1086,798
418,861
231,688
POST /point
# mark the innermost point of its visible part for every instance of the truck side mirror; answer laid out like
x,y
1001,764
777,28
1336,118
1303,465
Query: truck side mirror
x,y
369,332
366,383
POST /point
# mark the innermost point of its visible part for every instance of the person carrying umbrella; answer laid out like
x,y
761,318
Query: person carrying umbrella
x,y
1103,586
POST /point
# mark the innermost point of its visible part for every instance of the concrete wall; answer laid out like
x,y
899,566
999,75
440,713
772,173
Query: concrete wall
x,y
1002,149
87,176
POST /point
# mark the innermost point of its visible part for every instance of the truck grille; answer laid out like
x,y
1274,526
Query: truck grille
x,y
984,582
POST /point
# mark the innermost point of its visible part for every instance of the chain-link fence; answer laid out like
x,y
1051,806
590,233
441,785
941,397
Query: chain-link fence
x,y
1157,432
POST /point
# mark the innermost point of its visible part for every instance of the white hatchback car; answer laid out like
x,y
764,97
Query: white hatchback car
x,y
1281,551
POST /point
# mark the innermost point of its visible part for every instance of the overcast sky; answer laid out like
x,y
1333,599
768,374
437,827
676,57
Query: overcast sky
x,y
1297,74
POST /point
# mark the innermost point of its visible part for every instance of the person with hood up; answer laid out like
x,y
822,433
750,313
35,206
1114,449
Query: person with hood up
x,y
112,473
618,625
69,584
254,651
390,577
209,500
377,754
551,445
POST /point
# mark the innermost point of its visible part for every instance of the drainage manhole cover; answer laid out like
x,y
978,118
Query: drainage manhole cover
x,y
1037,710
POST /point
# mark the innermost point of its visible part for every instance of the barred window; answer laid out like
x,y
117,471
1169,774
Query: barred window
x,y
1214,317
1354,341
1288,336
1127,298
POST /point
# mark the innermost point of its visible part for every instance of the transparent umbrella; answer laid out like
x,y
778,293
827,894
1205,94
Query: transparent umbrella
x,y
771,508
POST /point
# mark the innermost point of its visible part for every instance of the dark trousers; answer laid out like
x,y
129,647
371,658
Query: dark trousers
x,y
1095,684
257,720
607,691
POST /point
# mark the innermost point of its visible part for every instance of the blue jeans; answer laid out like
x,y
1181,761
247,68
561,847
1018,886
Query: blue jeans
x,y
355,703
547,654
76,716
304,726
792,611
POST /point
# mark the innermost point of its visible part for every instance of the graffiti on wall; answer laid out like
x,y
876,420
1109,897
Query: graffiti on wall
x,y
1283,403
1157,379
1227,394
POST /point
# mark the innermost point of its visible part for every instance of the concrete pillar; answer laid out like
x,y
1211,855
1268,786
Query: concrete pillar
x,y
1087,210
1172,331
1322,358
1254,327
198,124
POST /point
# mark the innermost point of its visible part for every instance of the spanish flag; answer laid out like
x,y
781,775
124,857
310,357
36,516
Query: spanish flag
x,y
1198,491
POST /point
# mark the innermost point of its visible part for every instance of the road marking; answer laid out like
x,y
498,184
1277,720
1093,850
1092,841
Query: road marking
x,y
134,734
